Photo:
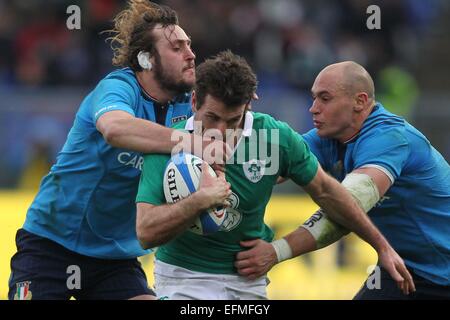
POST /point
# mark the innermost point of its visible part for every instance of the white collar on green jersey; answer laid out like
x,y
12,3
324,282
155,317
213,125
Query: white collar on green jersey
x,y
246,132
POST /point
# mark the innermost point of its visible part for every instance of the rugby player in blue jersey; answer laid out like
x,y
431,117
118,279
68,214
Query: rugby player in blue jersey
x,y
392,171
84,214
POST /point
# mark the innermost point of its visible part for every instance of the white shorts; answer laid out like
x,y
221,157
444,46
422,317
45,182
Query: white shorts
x,y
176,283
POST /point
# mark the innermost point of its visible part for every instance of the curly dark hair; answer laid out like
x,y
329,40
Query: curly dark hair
x,y
133,31
227,77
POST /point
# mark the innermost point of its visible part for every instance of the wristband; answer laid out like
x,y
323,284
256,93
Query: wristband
x,y
282,249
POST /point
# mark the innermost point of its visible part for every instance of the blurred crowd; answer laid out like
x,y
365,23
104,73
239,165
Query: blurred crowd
x,y
287,41
290,40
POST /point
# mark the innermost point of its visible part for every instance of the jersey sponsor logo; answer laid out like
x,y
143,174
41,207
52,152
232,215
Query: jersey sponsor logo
x,y
233,199
178,119
232,220
234,217
133,160
254,169
23,291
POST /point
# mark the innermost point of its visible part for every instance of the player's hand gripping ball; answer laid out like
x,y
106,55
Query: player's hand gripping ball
x,y
182,178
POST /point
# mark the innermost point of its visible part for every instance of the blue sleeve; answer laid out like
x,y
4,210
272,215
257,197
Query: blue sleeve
x,y
313,141
111,95
388,149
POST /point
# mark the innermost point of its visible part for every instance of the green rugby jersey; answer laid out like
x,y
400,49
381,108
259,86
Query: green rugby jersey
x,y
268,148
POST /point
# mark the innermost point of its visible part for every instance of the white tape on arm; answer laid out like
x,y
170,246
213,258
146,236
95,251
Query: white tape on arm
x,y
282,249
324,230
365,193
363,189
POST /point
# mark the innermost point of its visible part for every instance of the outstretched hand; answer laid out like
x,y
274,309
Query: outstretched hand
x,y
394,265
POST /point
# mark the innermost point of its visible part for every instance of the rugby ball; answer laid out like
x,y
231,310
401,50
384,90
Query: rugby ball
x,y
182,178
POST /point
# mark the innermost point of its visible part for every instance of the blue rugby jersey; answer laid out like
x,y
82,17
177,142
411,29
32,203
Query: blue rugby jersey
x,y
414,214
87,201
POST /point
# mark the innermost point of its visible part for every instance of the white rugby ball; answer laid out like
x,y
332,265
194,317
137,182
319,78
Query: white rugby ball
x,y
182,178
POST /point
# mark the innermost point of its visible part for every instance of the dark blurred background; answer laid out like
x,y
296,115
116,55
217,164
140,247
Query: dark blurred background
x,y
46,69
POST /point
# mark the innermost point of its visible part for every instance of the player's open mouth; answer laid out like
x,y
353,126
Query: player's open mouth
x,y
317,124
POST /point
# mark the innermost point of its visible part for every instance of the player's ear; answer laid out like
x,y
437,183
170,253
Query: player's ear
x,y
361,99
144,60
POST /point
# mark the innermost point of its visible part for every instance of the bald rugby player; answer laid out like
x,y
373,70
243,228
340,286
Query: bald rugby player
x,y
392,171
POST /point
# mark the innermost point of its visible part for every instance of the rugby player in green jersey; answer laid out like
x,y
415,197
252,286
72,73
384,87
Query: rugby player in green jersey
x,y
192,266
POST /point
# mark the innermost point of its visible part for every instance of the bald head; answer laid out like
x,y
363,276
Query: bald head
x,y
343,97
351,78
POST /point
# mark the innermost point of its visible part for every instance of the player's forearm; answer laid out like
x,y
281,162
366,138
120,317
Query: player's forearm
x,y
294,244
363,189
301,242
160,224
142,136
343,209
317,232
323,230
